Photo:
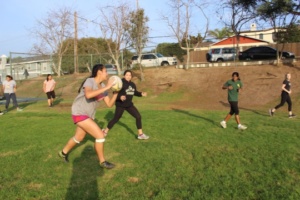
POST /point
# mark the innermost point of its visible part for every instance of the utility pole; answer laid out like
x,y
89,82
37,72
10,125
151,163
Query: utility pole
x,y
137,4
75,44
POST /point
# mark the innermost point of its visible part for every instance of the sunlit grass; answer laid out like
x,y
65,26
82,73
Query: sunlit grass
x,y
188,156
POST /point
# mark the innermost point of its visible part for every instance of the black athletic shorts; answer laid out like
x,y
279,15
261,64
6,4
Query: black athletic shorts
x,y
51,94
234,109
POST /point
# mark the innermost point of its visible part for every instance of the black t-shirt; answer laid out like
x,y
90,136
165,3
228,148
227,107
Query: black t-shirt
x,y
287,85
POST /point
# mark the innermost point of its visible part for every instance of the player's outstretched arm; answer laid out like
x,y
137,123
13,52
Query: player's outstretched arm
x,y
110,101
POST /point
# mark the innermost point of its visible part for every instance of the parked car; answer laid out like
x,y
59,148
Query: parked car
x,y
154,59
263,53
221,54
111,69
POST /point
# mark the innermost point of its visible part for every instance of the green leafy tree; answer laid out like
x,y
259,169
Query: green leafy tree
x,y
171,49
90,50
138,33
279,13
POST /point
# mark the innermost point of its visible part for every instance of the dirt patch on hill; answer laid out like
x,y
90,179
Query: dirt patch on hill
x,y
201,87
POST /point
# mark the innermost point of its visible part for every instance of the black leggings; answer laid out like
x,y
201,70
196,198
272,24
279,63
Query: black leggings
x,y
285,97
131,110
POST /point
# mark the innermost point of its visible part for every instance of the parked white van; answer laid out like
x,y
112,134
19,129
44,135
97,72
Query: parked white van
x,y
154,59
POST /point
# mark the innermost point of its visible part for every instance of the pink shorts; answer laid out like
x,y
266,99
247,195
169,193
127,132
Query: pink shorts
x,y
79,118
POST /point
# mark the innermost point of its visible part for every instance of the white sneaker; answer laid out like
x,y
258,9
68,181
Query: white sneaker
x,y
242,127
223,124
1,113
19,109
143,137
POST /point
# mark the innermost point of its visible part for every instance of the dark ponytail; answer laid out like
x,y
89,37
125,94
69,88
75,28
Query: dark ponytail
x,y
96,68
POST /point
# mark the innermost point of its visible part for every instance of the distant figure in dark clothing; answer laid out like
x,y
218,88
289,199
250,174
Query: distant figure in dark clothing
x,y
285,97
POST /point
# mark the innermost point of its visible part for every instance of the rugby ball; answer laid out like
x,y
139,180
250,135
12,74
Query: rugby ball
x,y
118,83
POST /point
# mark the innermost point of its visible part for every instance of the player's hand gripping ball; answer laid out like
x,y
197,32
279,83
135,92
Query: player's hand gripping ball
x,y
118,83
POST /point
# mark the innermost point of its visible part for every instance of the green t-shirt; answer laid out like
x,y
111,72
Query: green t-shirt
x,y
234,93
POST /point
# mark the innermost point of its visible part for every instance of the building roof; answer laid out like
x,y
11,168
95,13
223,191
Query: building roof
x,y
243,40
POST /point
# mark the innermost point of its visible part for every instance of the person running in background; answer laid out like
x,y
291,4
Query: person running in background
x,y
48,87
285,97
10,88
124,102
91,91
233,86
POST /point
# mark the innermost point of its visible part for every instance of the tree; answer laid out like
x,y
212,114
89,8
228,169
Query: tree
x,y
138,34
239,15
180,22
51,32
220,33
278,14
114,27
87,49
171,49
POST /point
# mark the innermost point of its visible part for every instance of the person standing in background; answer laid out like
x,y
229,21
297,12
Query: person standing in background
x,y
48,87
10,88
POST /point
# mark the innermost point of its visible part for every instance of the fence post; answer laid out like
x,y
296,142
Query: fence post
x,y
10,62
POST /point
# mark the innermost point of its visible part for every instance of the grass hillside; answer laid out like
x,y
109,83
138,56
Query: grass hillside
x,y
193,88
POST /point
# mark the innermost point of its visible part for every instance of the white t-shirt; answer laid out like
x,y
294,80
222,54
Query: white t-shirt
x,y
9,86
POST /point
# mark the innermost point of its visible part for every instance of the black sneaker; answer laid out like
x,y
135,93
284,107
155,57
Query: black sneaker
x,y
64,157
271,113
107,165
292,116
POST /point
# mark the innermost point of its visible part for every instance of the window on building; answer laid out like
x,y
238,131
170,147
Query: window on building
x,y
261,36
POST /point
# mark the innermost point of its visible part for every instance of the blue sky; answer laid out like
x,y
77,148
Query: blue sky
x,y
18,16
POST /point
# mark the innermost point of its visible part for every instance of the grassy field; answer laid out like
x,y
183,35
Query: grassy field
x,y
188,155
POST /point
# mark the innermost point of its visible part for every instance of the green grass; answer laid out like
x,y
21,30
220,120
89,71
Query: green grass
x,y
188,156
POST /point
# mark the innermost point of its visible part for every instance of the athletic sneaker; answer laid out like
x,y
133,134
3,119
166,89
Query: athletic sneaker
x,y
271,113
107,165
1,113
292,116
19,109
143,136
242,127
223,124
64,157
105,134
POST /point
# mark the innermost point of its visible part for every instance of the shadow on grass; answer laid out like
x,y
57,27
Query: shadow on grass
x,y
109,117
225,104
83,183
58,100
21,104
197,116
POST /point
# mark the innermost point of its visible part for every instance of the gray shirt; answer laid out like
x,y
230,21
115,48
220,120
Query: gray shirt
x,y
84,106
